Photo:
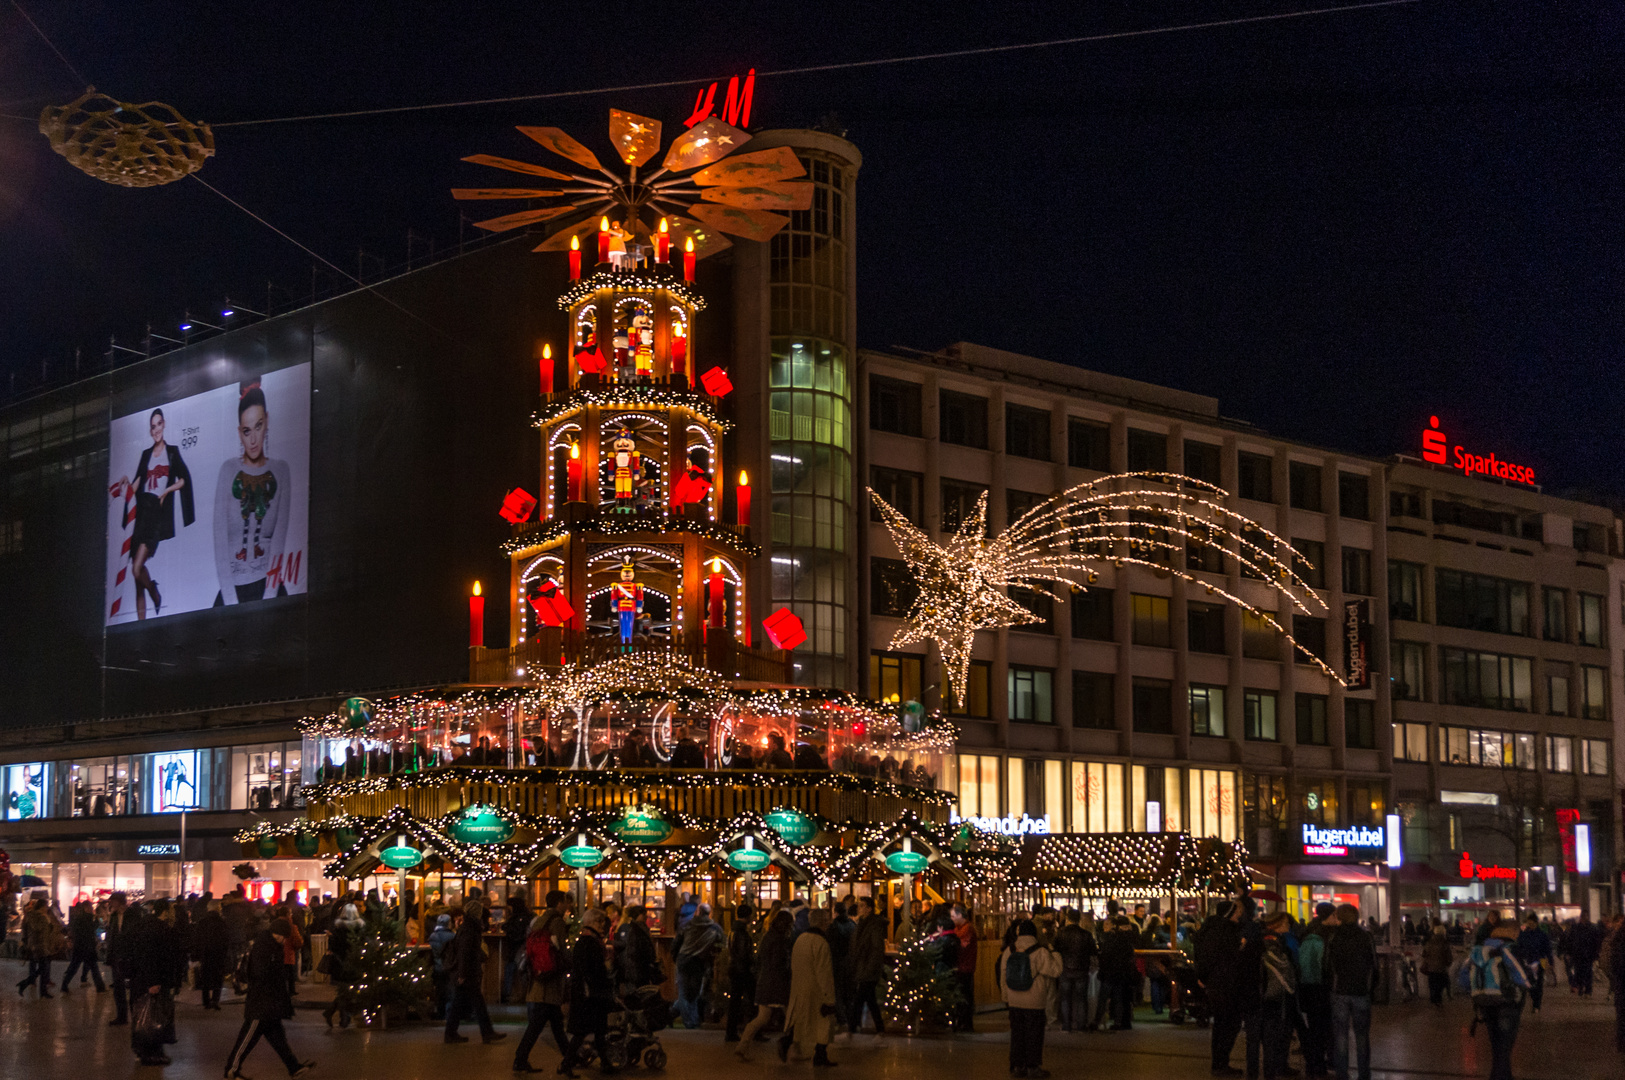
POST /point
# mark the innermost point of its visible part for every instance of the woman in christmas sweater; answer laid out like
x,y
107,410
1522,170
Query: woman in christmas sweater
x,y
250,508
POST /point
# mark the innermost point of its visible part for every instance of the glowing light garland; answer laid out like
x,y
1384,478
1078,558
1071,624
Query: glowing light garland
x,y
963,583
629,396
541,534
638,283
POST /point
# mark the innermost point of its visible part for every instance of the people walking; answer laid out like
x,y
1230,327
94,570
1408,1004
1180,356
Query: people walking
x,y
467,971
868,966
441,936
964,929
82,945
809,1020
269,1002
696,946
1616,981
1584,941
637,962
592,995
210,943
1315,992
773,978
342,940
1534,951
120,922
156,964
1027,970
741,972
43,938
549,990
1498,984
1279,993
515,932
1437,959
1352,958
1223,963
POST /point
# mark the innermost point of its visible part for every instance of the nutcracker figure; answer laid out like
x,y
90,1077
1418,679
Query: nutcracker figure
x,y
643,346
626,598
628,466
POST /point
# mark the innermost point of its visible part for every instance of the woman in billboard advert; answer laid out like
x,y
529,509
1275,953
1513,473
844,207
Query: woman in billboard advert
x,y
158,474
251,498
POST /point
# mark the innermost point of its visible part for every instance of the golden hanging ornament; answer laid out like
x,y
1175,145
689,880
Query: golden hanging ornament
x,y
124,144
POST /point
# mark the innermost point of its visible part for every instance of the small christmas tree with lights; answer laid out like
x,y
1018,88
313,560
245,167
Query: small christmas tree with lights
x,y
921,989
385,974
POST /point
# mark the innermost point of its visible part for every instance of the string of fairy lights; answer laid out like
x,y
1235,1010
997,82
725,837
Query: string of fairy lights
x,y
1071,537
543,534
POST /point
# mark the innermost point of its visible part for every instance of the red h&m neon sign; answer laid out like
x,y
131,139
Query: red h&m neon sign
x,y
1467,868
735,107
1436,448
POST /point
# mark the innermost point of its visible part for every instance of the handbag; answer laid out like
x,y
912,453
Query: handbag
x,y
152,1017
328,965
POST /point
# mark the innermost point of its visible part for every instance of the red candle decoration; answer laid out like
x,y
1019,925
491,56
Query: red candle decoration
x,y
476,619
603,240
573,472
717,608
743,496
662,243
575,258
546,362
688,259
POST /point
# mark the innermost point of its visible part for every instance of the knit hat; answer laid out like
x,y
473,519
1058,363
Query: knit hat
x,y
282,927
443,920
1225,908
1324,910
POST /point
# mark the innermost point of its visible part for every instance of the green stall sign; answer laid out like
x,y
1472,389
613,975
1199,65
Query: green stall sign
x,y
581,856
641,827
268,846
796,827
481,825
400,857
749,860
906,862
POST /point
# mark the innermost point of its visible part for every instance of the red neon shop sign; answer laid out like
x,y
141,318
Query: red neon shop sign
x,y
1469,869
1436,448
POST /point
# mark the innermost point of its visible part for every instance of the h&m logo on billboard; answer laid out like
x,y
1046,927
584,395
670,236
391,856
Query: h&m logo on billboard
x,y
1436,449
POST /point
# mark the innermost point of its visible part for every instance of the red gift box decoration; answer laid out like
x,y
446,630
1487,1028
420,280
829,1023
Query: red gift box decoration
x,y
716,382
518,505
591,363
550,605
784,630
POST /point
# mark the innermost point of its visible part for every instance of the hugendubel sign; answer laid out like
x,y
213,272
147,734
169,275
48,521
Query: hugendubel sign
x,y
1357,644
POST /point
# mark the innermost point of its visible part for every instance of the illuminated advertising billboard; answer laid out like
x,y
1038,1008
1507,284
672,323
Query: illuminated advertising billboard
x,y
174,781
208,499
25,791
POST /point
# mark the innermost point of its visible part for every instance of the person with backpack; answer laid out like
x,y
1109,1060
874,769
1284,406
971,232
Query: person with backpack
x,y
1352,958
441,936
696,947
1498,984
1315,993
636,962
1026,971
546,963
1076,948
1279,991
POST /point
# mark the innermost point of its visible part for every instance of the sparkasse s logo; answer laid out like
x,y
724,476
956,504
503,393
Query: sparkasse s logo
x,y
1437,449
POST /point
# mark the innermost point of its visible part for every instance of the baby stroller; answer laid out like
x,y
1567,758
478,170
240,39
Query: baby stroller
x,y
1190,999
634,1029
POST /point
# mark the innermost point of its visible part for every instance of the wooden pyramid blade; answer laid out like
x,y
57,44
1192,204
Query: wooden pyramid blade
x,y
560,241
517,166
707,241
702,144
636,138
751,224
523,217
563,145
777,196
502,193
756,167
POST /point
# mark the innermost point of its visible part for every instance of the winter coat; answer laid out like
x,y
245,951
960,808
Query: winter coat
x,y
741,952
155,955
269,995
1076,947
810,1016
589,978
1225,964
1352,959
1046,966
965,963
869,949
209,947
82,930
1116,956
119,929
554,987
1437,957
439,938
468,954
43,935
773,969
697,942
341,940
636,962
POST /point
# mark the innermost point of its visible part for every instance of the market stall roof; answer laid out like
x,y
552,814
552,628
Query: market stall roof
x,y
1112,861
875,841
373,837
1330,874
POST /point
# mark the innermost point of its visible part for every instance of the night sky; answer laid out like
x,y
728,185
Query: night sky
x,y
1337,224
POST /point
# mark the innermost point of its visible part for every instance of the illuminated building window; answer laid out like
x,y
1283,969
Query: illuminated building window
x,y
1207,710
1590,620
979,786
977,698
1557,691
1411,742
1210,805
1593,692
1485,680
1031,695
1150,615
1098,796
1317,801
1594,757
1368,802
1559,754
1485,748
1258,715
1163,786
1259,640
894,677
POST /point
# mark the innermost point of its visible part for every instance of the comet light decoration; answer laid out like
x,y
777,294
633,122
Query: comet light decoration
x,y
1069,538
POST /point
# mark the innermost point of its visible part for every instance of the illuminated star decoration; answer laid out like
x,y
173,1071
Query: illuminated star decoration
x,y
701,187
1145,518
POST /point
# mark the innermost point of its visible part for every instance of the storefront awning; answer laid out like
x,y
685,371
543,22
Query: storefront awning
x,y
1329,874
